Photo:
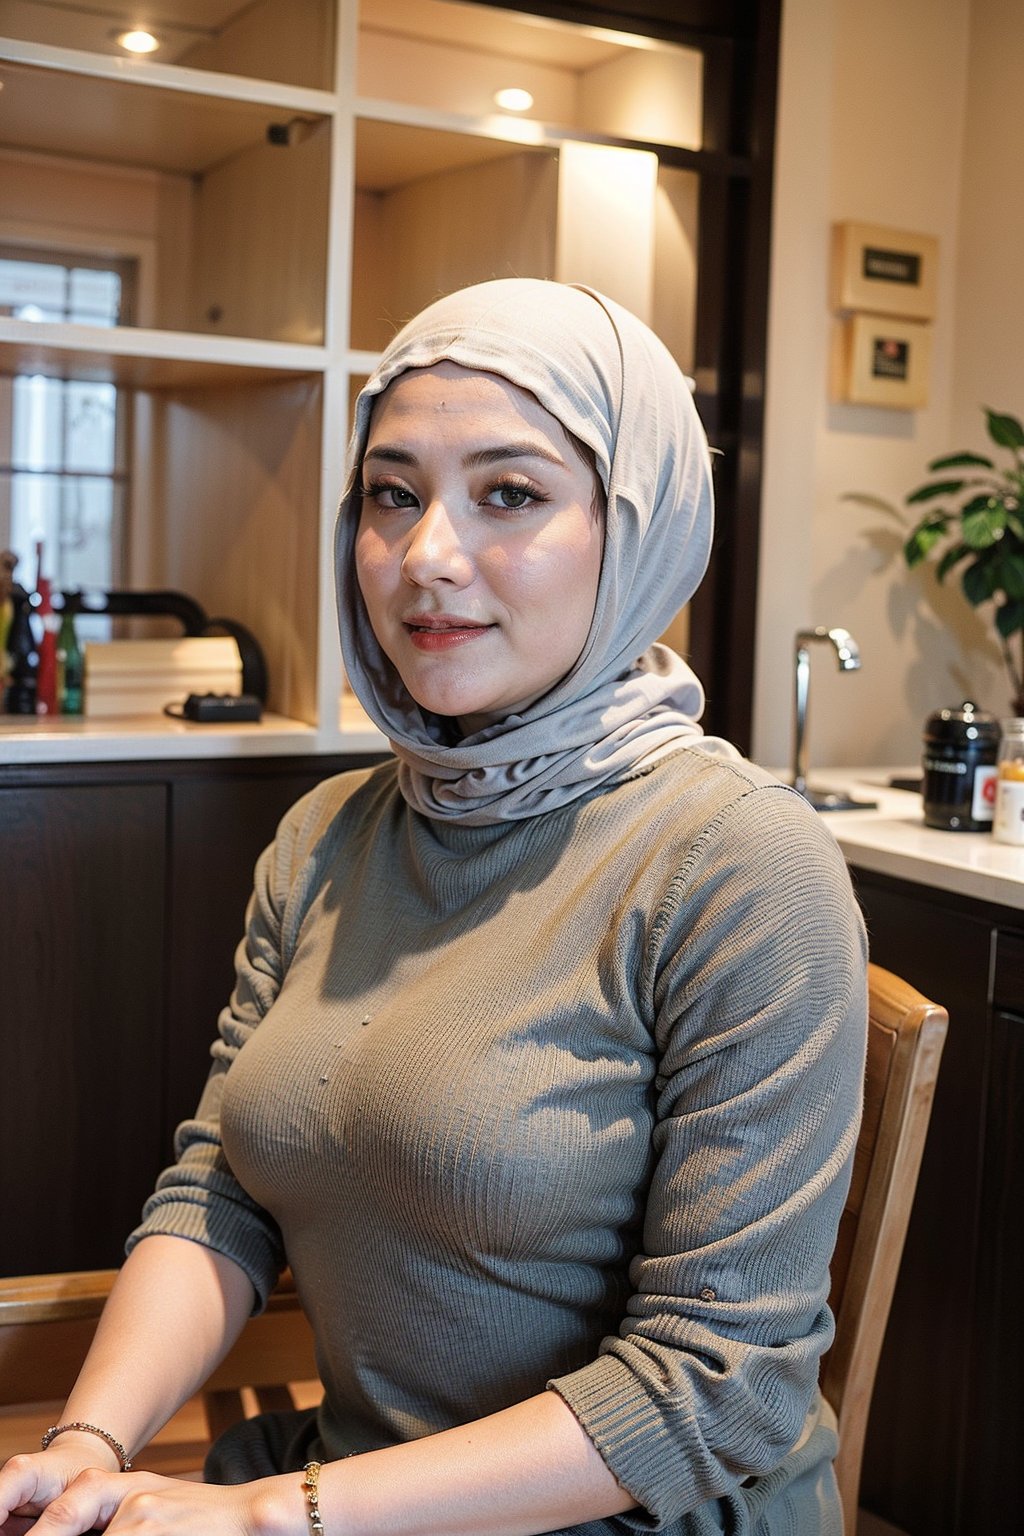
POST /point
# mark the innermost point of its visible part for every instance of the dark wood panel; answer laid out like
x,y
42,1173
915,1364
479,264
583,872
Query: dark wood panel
x,y
995,1412
699,20
919,1428
1008,971
82,920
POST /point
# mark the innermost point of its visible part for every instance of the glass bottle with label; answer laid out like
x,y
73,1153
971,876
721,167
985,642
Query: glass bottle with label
x,y
23,658
1008,823
69,665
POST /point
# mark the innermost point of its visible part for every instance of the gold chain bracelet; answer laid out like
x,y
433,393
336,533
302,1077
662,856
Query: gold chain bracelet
x,y
311,1489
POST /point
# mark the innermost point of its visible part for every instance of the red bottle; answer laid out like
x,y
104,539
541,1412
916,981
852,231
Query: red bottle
x,y
46,685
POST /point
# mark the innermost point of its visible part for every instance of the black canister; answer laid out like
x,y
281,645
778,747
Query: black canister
x,y
960,750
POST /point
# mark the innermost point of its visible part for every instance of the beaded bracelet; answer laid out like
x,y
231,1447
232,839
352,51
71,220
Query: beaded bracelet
x,y
311,1488
90,1429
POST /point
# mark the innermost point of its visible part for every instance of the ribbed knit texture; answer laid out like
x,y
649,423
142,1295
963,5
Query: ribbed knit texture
x,y
564,1101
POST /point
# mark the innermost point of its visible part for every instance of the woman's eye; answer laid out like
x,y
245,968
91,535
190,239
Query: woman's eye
x,y
390,495
511,496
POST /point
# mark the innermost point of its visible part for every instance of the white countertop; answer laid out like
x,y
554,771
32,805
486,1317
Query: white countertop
x,y
138,738
893,840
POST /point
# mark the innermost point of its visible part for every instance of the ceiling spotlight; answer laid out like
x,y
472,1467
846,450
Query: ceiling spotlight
x,y
137,41
513,99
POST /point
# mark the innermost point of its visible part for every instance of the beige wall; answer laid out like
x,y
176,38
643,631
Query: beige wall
x,y
118,209
899,115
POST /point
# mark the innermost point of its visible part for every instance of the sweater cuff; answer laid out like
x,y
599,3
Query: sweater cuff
x,y
630,1434
199,1221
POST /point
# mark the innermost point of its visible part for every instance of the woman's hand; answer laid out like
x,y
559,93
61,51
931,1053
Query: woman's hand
x,y
28,1483
71,1501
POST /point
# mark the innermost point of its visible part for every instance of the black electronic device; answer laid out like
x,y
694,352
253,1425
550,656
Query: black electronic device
x,y
221,708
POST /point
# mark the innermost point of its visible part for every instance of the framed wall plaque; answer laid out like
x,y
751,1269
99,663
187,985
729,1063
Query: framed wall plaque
x,y
883,271
881,361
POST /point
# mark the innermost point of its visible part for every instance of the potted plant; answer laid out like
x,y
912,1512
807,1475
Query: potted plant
x,y
974,520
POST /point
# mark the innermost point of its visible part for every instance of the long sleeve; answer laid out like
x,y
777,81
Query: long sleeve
x,y
758,985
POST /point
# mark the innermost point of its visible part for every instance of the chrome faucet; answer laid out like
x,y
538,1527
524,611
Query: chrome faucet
x,y
848,658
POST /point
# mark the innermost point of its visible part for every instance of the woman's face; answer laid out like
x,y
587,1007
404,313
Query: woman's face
x,y
479,543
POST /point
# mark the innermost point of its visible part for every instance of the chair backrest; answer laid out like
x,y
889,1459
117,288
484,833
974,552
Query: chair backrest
x,y
906,1033
47,1323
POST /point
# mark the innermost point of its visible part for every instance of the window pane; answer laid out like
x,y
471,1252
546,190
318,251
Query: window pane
x,y
32,290
76,519
95,297
89,427
87,533
35,517
38,436
63,459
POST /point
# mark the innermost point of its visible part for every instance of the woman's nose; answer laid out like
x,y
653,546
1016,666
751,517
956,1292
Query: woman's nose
x,y
435,551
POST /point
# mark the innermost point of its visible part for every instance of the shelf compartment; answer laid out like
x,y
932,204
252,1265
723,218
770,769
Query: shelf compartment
x,y
455,57
139,75
162,119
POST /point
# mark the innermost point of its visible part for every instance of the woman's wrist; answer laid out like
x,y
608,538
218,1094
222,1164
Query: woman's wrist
x,y
280,1508
98,1451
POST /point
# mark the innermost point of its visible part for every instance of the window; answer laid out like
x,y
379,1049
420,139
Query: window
x,y
63,456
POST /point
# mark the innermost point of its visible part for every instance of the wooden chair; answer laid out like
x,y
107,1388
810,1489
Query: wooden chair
x,y
905,1037
47,1323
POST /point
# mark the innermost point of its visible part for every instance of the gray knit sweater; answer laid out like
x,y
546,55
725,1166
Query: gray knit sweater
x,y
567,1101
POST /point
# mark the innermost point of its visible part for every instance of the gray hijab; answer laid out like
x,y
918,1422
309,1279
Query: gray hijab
x,y
627,701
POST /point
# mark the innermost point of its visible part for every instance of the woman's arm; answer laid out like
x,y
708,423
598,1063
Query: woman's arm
x,y
174,1311
526,1469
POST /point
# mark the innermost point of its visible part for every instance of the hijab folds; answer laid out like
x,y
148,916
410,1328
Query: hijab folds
x,y
627,701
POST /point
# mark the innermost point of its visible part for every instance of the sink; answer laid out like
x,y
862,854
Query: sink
x,y
833,800
848,657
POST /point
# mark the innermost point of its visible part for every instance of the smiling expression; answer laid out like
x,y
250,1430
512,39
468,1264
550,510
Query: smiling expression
x,y
479,545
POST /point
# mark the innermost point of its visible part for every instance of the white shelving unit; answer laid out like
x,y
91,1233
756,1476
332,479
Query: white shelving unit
x,y
277,270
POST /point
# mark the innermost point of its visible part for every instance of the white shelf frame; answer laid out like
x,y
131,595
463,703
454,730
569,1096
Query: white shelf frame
x,y
154,359
169,77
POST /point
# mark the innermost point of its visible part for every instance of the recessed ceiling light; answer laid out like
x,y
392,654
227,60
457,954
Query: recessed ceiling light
x,y
137,41
513,99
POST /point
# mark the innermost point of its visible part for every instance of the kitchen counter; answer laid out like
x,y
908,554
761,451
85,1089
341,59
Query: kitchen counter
x,y
893,840
141,738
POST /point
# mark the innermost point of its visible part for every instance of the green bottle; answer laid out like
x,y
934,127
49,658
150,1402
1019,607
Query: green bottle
x,y
69,667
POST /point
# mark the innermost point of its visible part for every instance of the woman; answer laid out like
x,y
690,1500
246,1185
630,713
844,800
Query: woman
x,y
542,1069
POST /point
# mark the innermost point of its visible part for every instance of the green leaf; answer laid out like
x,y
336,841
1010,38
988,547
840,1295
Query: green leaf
x,y
1009,618
1004,430
873,504
979,581
1010,574
937,488
922,541
961,461
983,525
951,558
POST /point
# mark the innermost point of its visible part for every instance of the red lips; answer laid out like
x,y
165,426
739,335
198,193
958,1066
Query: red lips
x,y
442,631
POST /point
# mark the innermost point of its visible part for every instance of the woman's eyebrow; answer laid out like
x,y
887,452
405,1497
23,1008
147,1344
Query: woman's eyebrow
x,y
526,449
519,449
393,455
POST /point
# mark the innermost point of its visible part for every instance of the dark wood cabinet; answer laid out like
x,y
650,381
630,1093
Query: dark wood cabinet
x,y
947,1419
122,896
82,907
